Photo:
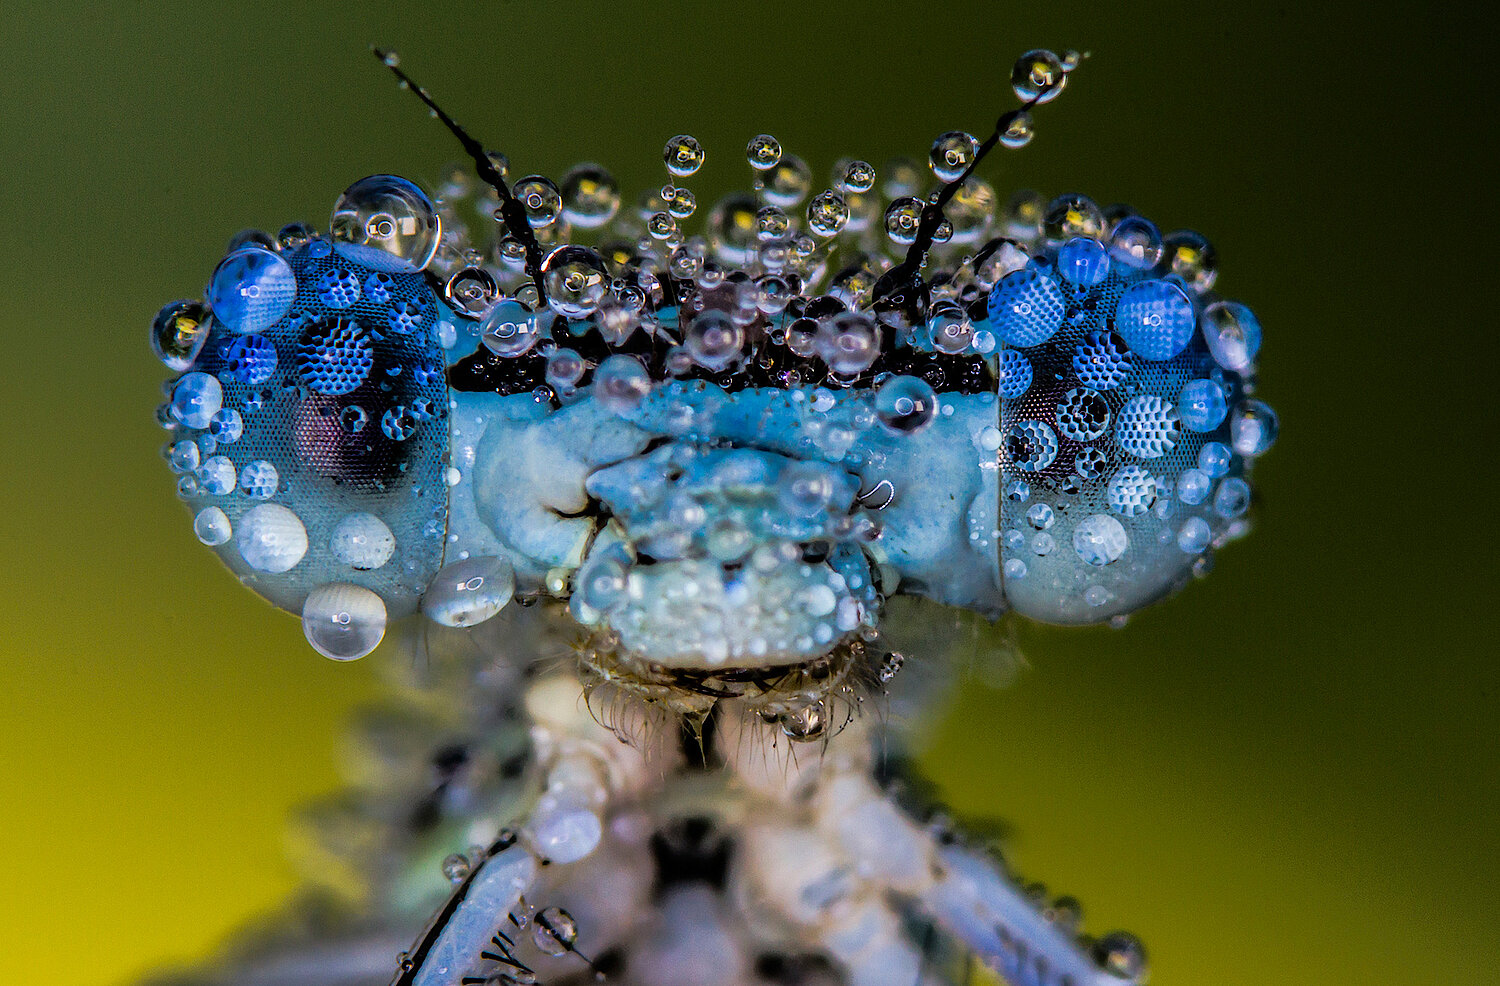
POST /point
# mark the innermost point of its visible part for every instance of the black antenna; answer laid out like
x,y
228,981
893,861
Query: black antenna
x,y
512,213
902,285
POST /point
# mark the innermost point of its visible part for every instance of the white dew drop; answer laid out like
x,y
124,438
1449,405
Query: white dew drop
x,y
362,541
343,622
271,538
469,592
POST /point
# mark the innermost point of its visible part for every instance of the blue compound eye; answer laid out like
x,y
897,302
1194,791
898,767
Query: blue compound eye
x,y
304,488
1136,398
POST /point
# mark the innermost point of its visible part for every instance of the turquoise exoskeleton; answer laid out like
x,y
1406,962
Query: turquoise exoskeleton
x,y
717,458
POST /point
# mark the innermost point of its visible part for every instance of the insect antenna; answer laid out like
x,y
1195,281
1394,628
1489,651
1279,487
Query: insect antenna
x,y
902,286
512,212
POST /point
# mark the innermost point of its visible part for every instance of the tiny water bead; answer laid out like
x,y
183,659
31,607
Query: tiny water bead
x,y
1069,216
1201,405
469,592
1252,428
1100,540
683,156
252,289
575,279
788,183
389,222
178,333
554,931
951,154
343,622
251,359
1038,74
1233,334
541,199
827,213
196,398
858,177
590,196
271,538
509,329
259,480
362,541
1190,256
1019,131
211,526
902,218
1135,243
1155,318
906,404
763,152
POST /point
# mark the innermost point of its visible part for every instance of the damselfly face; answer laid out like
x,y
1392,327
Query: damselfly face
x,y
723,450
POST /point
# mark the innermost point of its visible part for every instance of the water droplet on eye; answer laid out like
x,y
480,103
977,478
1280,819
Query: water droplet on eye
x,y
858,177
1233,334
1190,256
827,213
384,214
683,155
540,198
1083,261
763,152
271,538
575,280
1214,459
342,621
1201,405
1068,216
714,341
905,404
1019,131
211,525
183,456
469,592
1135,243
1232,498
196,398
1040,516
251,290
354,418
456,867
1252,427
621,382
1099,539
178,333
590,196
362,541
1034,72
1193,536
217,475
951,154
509,329
902,219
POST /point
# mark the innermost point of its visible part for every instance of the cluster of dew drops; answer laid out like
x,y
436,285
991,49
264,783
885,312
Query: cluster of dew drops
x,y
781,273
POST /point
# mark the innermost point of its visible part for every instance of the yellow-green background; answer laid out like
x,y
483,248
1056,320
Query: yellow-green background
x,y
1286,775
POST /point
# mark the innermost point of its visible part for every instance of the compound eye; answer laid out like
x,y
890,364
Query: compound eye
x,y
310,431
1127,428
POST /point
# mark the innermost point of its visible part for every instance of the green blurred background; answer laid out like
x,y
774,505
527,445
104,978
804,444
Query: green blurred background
x,y
1286,775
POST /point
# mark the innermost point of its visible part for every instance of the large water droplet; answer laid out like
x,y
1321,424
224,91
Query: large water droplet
x,y
683,155
387,223
342,621
252,289
469,592
178,333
